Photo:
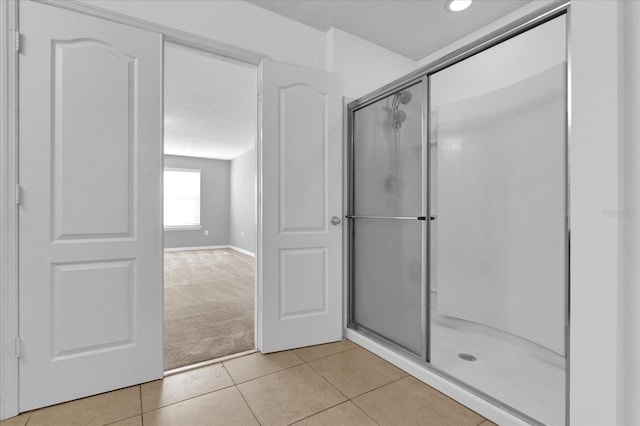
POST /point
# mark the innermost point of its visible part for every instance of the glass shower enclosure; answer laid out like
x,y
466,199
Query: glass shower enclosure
x,y
388,211
458,230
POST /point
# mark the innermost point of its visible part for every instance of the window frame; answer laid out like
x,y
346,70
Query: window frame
x,y
182,227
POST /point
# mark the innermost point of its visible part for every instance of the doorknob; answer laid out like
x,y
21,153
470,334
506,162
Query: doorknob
x,y
335,220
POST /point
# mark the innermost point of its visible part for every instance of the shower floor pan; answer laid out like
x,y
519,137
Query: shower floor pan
x,y
515,371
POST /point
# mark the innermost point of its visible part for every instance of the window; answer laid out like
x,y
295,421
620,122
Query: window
x,y
181,198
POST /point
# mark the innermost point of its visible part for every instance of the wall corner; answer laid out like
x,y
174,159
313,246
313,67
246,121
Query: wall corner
x,y
329,49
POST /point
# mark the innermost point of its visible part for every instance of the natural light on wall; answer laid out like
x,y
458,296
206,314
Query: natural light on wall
x,y
181,198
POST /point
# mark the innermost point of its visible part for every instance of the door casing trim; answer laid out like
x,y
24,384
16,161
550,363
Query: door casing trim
x,y
8,209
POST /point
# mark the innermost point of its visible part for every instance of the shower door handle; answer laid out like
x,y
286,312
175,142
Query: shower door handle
x,y
389,217
335,221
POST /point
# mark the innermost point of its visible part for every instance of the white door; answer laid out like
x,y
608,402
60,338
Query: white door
x,y
90,225
301,250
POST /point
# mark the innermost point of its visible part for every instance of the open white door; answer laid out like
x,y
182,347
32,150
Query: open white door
x,y
301,248
90,224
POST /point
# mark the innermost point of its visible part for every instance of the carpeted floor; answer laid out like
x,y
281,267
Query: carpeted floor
x,y
208,305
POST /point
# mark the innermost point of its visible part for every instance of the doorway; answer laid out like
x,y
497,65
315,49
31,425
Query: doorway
x,y
100,307
210,130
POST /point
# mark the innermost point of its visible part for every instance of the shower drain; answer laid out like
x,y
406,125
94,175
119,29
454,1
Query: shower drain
x,y
467,357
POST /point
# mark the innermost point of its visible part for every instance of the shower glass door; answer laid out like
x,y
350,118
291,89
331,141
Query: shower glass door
x,y
499,242
387,211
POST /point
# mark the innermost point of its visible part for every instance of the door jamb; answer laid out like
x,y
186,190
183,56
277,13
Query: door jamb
x,y
9,140
258,168
9,345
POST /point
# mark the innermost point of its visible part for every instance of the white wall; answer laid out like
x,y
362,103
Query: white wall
x,y
501,246
631,209
242,232
214,203
364,66
234,22
595,356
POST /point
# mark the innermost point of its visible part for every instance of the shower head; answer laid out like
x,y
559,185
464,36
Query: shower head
x,y
400,117
397,115
405,97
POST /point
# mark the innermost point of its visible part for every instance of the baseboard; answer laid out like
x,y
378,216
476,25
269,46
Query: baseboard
x,y
196,248
238,249
420,372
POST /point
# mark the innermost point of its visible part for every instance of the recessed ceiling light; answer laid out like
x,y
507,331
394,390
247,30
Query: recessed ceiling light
x,y
458,5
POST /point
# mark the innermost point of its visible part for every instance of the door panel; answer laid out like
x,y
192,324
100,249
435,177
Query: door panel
x,y
387,267
301,189
106,210
108,285
303,159
90,224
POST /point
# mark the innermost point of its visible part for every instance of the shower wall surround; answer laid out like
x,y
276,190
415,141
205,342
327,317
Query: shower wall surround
x,y
501,212
459,252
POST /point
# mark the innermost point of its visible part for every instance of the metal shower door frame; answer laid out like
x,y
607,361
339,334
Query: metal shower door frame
x,y
425,206
423,74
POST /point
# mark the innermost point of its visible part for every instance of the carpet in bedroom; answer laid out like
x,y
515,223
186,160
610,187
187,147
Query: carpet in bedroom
x,y
208,305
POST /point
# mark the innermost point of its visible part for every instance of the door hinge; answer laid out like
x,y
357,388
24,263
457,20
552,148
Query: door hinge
x,y
18,42
18,194
18,347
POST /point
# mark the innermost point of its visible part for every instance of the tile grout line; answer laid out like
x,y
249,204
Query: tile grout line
x,y
364,412
334,387
315,414
371,390
348,399
187,399
141,409
343,394
233,384
267,374
227,371
247,402
330,384
303,362
121,420
326,380
378,387
326,356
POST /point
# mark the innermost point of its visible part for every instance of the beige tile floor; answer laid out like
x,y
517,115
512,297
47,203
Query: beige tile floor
x,y
333,384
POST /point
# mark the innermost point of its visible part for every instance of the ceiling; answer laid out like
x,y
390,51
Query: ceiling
x,y
210,102
210,108
413,28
